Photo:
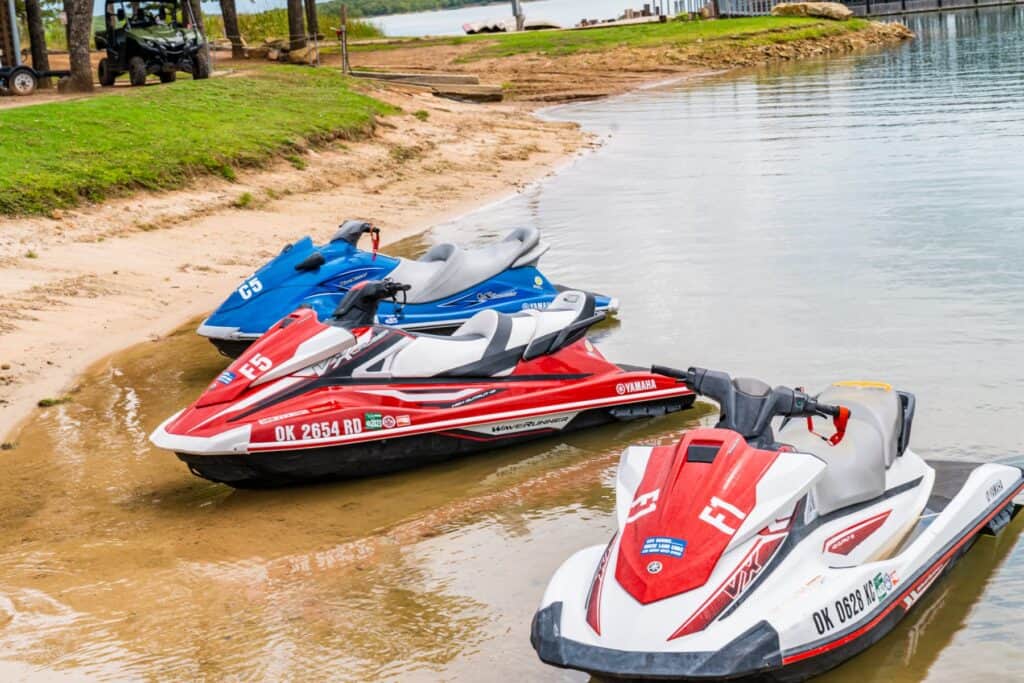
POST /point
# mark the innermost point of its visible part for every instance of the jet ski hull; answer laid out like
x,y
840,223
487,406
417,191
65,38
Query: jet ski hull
x,y
270,469
760,653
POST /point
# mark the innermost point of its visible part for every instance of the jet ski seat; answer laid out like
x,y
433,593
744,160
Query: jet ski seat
x,y
490,343
447,269
856,466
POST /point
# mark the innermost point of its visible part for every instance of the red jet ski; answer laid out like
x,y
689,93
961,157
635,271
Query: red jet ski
x,y
343,398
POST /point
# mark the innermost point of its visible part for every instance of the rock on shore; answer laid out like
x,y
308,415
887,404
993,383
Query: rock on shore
x,y
821,10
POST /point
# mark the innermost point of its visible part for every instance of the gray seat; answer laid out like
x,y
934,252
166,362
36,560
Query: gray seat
x,y
488,344
447,269
856,466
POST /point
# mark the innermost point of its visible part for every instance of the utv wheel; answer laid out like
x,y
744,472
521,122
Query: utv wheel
x,y
107,76
22,82
137,70
168,76
201,68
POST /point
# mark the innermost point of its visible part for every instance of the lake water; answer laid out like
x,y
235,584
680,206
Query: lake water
x,y
856,218
449,22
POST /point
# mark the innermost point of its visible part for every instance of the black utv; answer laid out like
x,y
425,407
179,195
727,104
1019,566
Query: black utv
x,y
151,37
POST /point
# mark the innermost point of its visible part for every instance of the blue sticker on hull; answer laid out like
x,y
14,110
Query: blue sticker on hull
x,y
663,545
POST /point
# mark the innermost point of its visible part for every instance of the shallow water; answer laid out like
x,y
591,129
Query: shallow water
x,y
856,218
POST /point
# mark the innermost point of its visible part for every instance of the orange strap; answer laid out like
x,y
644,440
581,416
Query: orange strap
x,y
375,241
839,422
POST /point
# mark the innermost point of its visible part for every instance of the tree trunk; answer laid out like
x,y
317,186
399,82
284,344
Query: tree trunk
x,y
230,14
296,26
195,18
312,22
37,38
79,13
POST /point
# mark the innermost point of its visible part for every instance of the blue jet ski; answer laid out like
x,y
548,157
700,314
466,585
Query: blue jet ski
x,y
448,285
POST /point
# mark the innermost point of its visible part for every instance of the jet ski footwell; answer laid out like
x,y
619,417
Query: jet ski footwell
x,y
757,654
385,455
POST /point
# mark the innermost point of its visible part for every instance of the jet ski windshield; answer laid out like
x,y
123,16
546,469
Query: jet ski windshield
x,y
359,307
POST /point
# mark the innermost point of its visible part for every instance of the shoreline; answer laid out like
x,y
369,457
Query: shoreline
x,y
83,284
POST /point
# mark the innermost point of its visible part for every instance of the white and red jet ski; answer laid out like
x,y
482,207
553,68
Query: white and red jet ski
x,y
347,397
742,554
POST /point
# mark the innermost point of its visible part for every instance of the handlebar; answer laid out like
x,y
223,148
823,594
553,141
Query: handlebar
x,y
749,405
359,307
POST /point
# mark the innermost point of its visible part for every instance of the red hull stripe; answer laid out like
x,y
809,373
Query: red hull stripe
x,y
470,421
898,599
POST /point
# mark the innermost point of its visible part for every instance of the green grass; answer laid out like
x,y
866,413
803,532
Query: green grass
x,y
50,402
162,136
677,34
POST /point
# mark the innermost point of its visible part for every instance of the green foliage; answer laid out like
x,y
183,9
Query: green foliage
x,y
49,402
58,154
421,114
273,23
244,200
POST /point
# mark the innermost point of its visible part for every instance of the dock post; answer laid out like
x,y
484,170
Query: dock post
x,y
345,68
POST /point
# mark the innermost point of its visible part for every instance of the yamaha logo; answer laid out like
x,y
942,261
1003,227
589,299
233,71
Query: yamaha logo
x,y
654,567
620,389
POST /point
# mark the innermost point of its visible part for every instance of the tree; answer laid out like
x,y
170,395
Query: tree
x,y
37,39
230,15
312,21
193,15
296,26
79,13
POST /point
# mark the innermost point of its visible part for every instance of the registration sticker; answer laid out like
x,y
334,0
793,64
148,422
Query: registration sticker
x,y
663,545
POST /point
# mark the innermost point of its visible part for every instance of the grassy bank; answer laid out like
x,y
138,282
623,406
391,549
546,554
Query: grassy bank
x,y
709,34
159,137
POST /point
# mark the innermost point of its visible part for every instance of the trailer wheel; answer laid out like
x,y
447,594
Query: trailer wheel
x,y
168,76
106,74
137,70
22,82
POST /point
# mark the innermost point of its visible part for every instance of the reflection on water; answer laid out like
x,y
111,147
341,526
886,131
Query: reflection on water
x,y
852,218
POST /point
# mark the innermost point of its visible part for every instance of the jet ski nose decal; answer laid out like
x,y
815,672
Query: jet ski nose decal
x,y
693,499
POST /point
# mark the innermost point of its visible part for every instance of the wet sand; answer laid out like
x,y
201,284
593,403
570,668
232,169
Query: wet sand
x,y
116,562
